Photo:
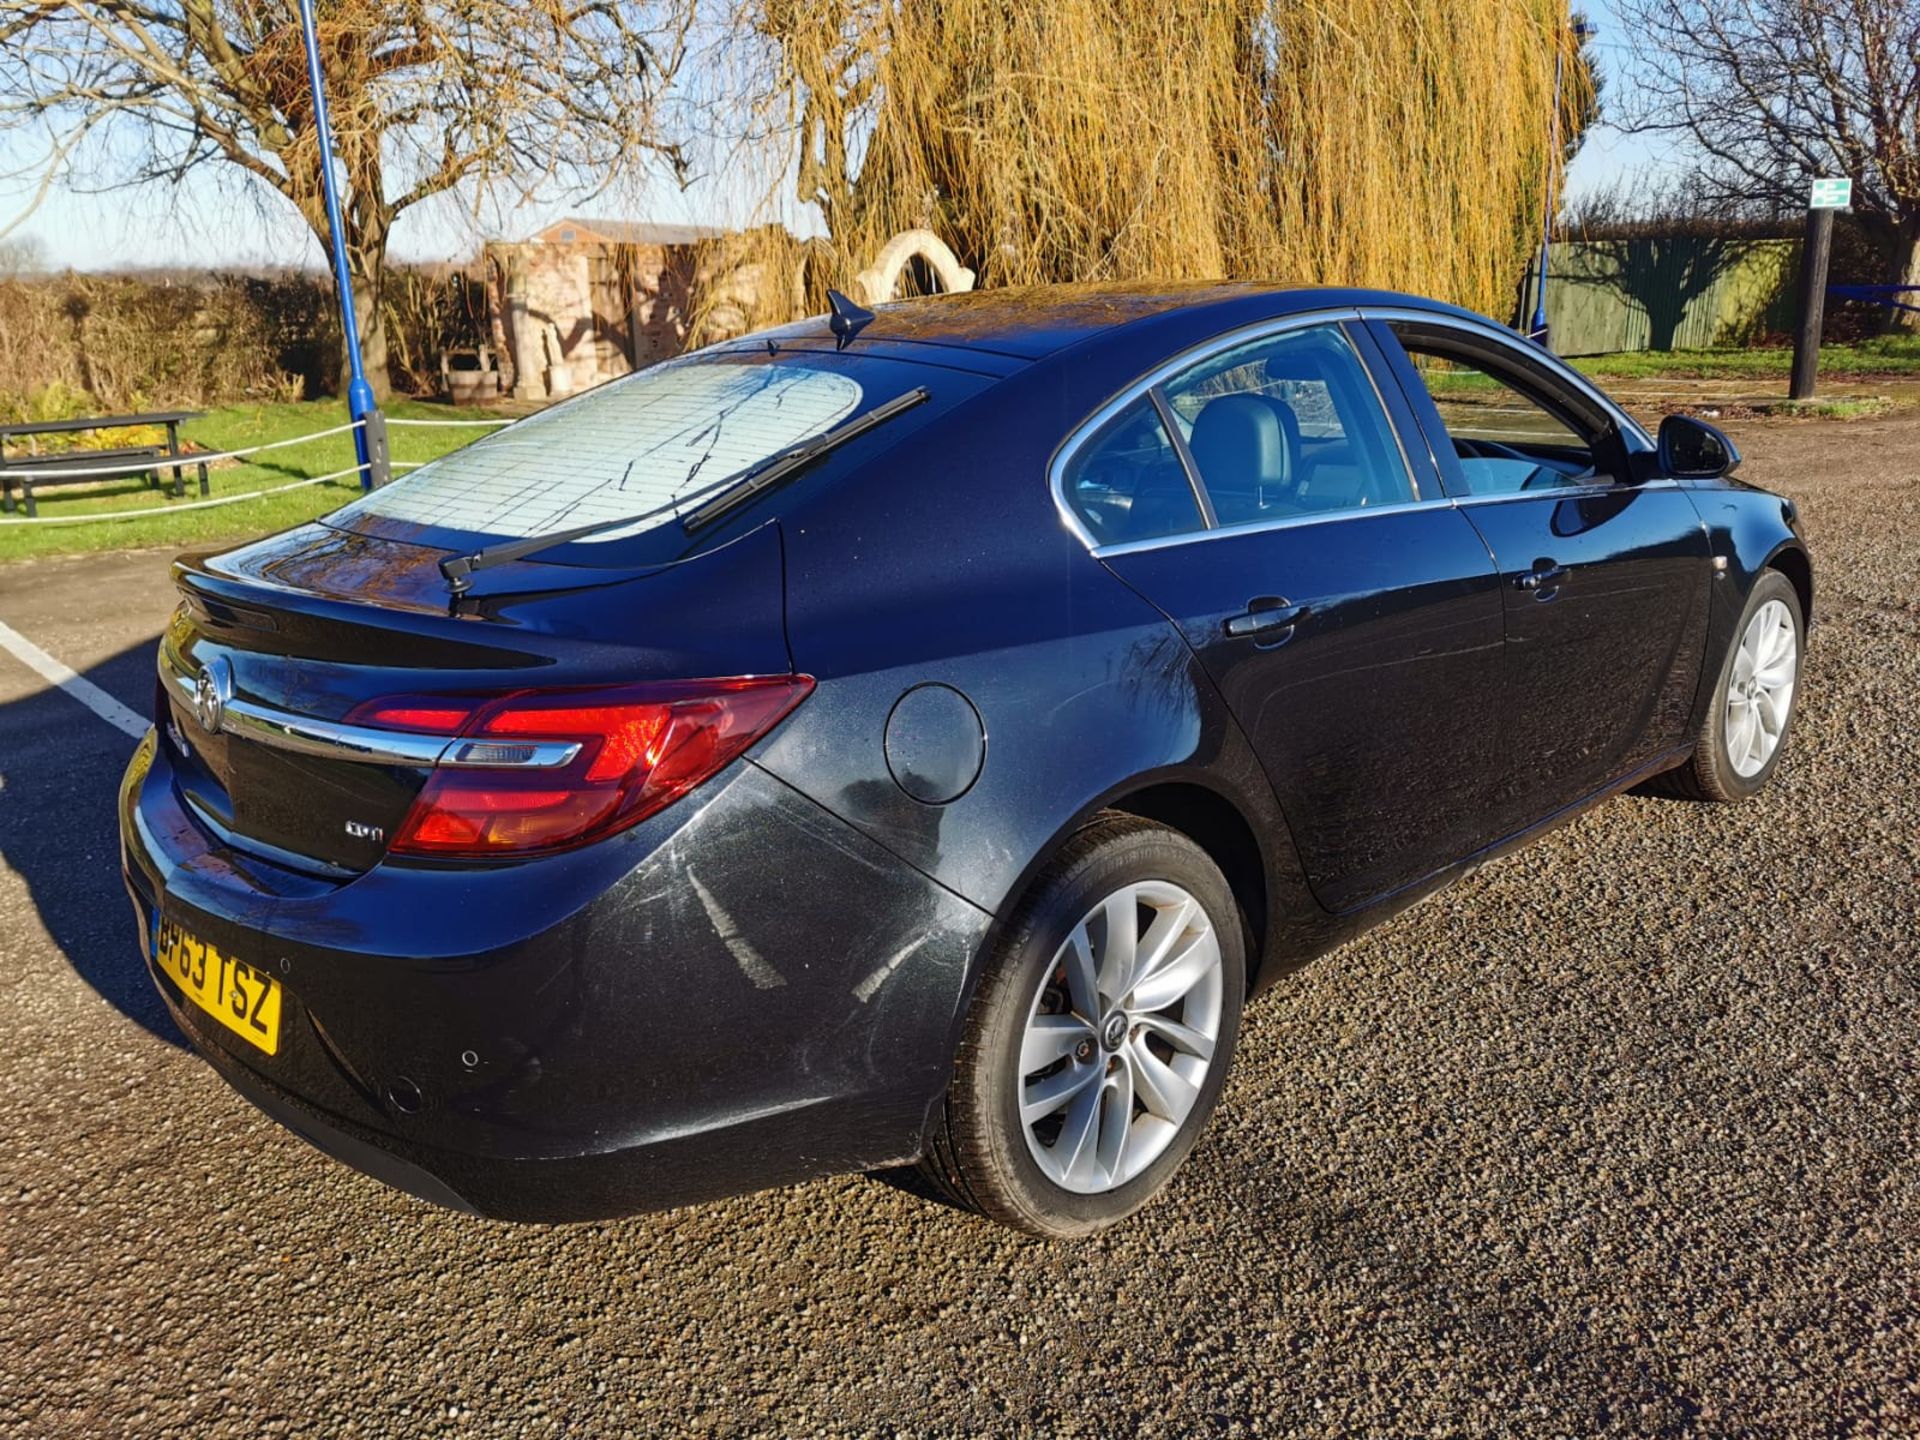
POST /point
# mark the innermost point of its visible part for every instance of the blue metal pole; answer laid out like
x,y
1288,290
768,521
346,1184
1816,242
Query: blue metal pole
x,y
1538,329
360,401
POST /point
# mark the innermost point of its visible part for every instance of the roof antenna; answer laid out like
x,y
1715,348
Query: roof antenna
x,y
848,319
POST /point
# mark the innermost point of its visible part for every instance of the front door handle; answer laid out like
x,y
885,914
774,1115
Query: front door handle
x,y
1544,574
1264,616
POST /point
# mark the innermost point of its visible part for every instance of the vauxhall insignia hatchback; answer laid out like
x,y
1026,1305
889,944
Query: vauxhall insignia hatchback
x,y
911,738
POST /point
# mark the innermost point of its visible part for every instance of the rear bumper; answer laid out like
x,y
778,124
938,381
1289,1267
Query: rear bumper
x,y
740,992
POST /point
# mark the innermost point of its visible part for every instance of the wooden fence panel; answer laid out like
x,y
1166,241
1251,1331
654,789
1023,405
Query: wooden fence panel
x,y
1683,292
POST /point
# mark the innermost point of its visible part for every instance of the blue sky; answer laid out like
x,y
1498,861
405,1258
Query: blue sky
x,y
211,221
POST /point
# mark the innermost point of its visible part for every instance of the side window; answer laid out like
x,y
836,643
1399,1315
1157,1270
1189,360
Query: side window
x,y
1505,439
1127,483
1288,426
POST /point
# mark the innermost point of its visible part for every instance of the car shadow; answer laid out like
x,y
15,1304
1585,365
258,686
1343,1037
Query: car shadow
x,y
60,768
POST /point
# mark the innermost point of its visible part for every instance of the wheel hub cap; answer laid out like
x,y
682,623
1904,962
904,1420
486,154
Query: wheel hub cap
x,y
1760,697
1120,1037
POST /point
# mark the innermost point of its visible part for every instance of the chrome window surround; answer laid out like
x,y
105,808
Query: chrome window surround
x,y
1484,329
1522,349
367,744
1185,360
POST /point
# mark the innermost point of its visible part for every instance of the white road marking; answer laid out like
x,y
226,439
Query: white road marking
x,y
78,686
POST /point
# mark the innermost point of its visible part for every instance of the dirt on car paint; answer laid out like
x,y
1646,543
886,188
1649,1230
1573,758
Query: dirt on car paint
x,y
1616,1137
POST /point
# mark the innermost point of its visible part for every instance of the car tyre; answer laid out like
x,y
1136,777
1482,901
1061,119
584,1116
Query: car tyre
x,y
1134,923
1750,718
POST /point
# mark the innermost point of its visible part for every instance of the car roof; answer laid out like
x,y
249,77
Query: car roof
x,y
1030,322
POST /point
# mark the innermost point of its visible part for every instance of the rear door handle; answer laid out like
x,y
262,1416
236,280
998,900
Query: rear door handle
x,y
1540,577
1264,616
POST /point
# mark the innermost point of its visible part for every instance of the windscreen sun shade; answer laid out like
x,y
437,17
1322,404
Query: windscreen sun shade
x,y
633,449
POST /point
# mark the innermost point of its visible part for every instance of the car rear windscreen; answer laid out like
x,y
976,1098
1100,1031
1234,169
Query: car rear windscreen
x,y
651,447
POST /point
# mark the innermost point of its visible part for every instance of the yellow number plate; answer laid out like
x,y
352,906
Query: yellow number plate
x,y
245,1000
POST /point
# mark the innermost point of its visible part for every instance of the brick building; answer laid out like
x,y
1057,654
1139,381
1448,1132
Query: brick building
x,y
589,300
586,300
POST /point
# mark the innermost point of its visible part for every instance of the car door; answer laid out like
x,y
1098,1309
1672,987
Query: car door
x,y
1604,572
1349,615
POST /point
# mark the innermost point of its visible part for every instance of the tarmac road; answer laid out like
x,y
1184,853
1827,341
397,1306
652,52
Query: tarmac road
x,y
1617,1137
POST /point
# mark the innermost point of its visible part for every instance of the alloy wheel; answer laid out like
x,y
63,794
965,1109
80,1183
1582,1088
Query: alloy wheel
x,y
1120,1036
1760,690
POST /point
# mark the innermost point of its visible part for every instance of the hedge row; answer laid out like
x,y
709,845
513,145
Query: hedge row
x,y
125,342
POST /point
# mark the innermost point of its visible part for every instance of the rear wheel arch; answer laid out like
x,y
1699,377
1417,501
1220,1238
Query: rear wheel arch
x,y
1215,822
1217,826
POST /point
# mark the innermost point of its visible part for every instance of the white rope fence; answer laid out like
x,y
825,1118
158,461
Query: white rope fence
x,y
152,510
195,458
167,462
422,423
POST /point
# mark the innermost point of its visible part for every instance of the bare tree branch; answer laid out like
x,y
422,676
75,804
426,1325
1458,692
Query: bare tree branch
x,y
1776,91
426,95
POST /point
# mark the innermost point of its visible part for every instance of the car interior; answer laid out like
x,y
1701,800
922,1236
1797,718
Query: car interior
x,y
1512,430
1285,427
1505,439
1289,427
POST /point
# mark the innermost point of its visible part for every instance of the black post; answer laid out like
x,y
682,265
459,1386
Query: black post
x,y
173,449
373,439
1814,253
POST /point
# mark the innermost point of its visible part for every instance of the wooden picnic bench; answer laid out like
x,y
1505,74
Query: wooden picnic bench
x,y
168,456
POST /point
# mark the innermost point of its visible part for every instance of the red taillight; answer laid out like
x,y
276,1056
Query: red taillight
x,y
641,748
436,715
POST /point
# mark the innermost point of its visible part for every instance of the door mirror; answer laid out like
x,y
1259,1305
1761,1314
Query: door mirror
x,y
1693,450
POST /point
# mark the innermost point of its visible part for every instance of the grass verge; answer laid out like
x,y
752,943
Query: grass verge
x,y
1863,408
1886,355
231,427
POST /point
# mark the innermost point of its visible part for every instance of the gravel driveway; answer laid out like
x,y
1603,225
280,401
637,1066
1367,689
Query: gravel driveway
x,y
1617,1137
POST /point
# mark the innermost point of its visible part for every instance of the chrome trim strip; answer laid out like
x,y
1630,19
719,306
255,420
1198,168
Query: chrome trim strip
x,y
1183,452
366,744
1562,492
1519,345
1285,522
328,740
1323,517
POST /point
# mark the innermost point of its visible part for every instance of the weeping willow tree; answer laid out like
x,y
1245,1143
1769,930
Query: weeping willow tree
x,y
1403,143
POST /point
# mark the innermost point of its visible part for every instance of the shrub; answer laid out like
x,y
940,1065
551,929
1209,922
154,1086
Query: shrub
x,y
88,344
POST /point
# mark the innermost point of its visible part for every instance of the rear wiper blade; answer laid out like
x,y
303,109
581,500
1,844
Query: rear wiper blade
x,y
729,492
790,462
460,569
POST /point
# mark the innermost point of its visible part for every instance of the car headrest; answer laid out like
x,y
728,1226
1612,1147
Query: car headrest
x,y
1290,432
1244,452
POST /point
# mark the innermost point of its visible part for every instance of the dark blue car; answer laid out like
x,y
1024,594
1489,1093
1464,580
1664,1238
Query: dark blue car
x,y
911,738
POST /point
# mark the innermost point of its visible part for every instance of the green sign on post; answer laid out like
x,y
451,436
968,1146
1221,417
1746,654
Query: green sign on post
x,y
1830,195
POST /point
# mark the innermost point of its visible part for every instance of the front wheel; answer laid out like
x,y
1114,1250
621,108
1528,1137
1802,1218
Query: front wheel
x,y
1751,714
1100,1037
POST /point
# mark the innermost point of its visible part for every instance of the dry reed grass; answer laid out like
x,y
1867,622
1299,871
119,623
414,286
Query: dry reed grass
x,y
1401,143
